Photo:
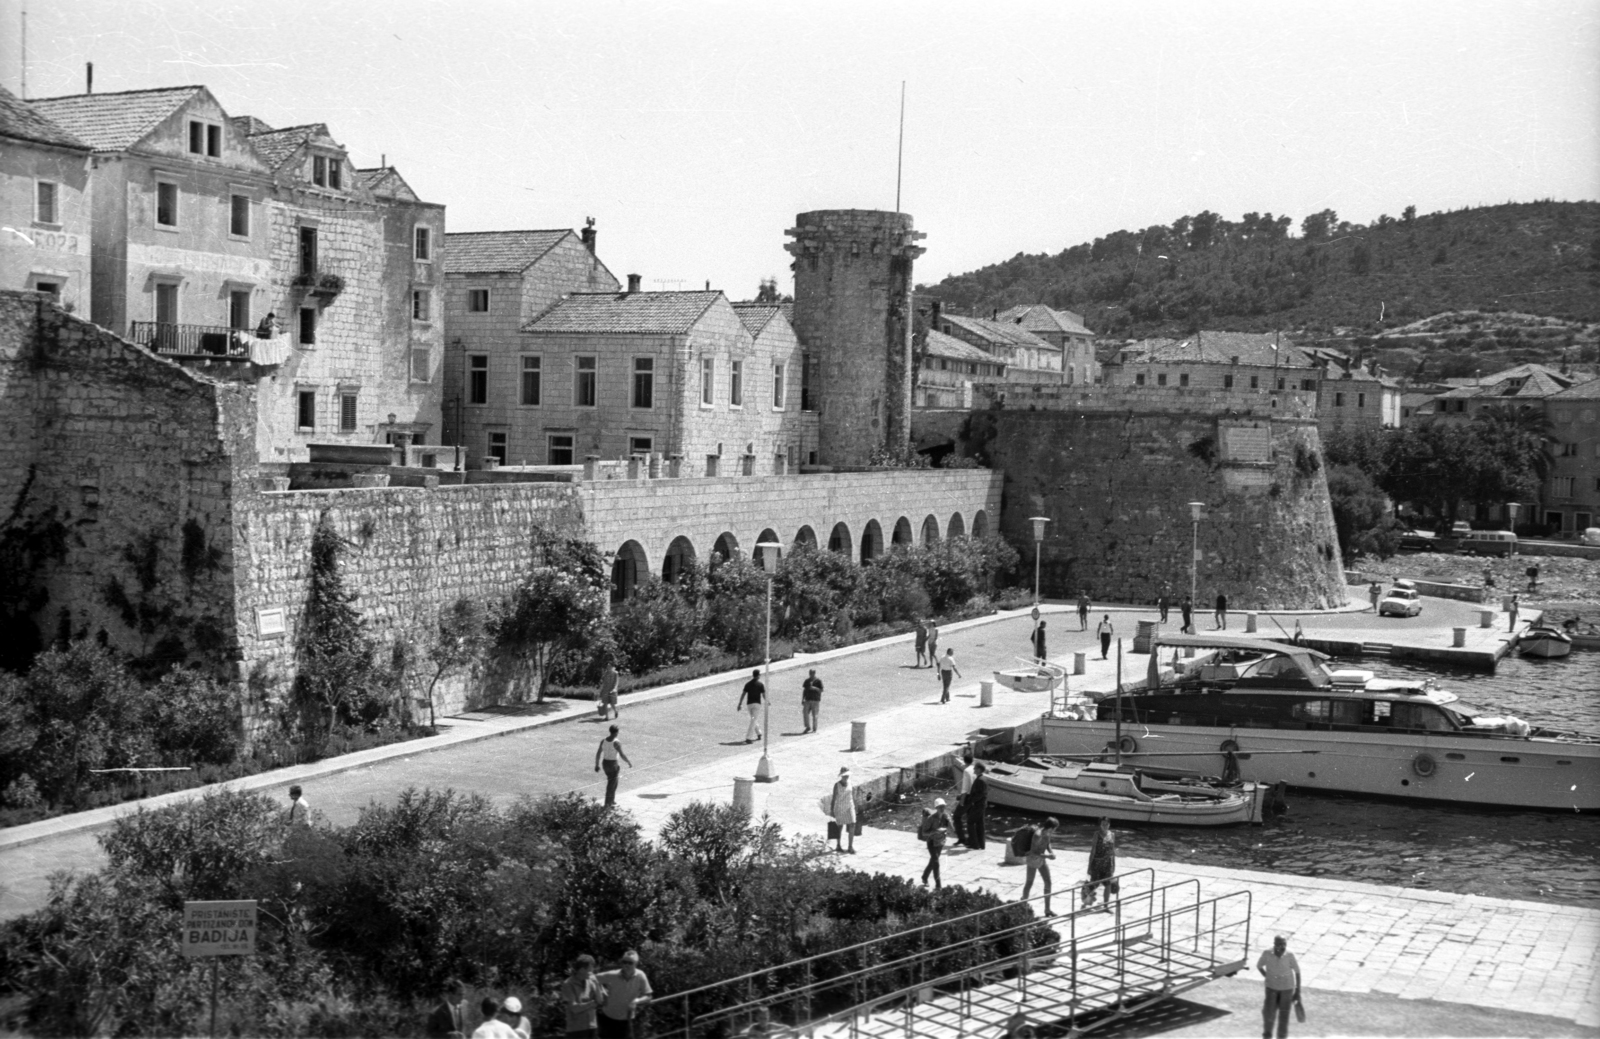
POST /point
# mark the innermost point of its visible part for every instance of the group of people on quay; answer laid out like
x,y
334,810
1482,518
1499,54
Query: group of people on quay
x,y
596,1005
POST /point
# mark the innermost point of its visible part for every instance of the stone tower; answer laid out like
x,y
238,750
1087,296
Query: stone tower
x,y
852,313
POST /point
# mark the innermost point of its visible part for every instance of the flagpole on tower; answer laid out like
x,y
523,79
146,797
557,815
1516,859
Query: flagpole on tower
x,y
900,150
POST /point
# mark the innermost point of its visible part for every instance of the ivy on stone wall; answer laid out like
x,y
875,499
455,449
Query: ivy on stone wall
x,y
558,605
29,543
171,625
338,677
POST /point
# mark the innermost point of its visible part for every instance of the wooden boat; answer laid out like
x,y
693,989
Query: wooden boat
x,y
1544,641
1097,790
1585,640
1032,677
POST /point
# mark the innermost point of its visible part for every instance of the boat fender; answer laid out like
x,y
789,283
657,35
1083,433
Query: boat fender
x,y
1424,765
1229,747
1129,744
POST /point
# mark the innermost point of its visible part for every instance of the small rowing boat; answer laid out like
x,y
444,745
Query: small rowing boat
x,y
1098,789
1032,677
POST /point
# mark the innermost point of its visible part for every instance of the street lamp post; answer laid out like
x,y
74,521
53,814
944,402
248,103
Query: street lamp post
x,y
1195,510
1038,544
770,553
1511,521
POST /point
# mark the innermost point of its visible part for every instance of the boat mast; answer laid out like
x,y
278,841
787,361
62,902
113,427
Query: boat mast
x,y
1117,741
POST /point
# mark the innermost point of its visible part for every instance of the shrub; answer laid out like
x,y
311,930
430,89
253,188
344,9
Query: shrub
x,y
655,628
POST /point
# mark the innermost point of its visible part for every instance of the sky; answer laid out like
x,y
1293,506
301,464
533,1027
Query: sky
x,y
693,132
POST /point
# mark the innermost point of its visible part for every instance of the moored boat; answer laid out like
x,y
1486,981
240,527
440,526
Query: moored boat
x,y
1106,790
1541,640
1032,677
1286,717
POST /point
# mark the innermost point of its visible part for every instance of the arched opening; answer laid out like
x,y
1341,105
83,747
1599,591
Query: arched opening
x,y
767,537
679,557
902,532
980,524
839,539
871,541
958,526
727,547
805,536
626,566
930,531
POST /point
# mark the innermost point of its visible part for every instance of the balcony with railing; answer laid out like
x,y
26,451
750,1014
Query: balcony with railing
x,y
192,340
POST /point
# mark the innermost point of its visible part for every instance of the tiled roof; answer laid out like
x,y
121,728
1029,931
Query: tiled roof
x,y
1586,390
1036,317
629,313
941,345
999,333
1525,380
1415,400
385,181
19,120
114,122
1221,348
755,316
249,124
490,252
275,146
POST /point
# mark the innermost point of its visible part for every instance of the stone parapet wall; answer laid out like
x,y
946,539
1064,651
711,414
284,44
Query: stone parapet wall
x,y
1116,484
1162,399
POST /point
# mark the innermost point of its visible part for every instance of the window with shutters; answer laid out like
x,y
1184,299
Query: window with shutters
x,y
166,204
532,381
347,412
239,216
478,379
45,210
736,384
306,410
644,382
583,382
777,387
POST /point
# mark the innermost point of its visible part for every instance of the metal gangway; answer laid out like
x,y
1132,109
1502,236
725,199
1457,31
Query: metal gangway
x,y
970,975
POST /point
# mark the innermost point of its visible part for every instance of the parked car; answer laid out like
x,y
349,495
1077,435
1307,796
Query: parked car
x,y
1591,536
1401,601
1460,527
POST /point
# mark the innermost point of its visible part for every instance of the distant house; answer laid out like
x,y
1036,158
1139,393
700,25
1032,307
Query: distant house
x,y
1354,395
1237,362
1572,490
1015,346
1064,330
1525,386
1415,406
44,194
950,368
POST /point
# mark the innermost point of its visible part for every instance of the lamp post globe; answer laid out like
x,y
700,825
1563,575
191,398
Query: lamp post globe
x,y
1196,511
769,554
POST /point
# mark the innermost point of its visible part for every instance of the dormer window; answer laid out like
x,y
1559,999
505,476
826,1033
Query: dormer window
x,y
325,171
205,139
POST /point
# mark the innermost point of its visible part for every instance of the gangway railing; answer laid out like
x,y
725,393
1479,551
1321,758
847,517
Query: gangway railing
x,y
820,985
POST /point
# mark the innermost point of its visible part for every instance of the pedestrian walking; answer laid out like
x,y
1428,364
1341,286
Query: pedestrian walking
x,y
1282,972
626,990
1187,609
1037,856
1515,605
1102,866
963,787
581,996
842,807
935,827
750,697
605,756
933,644
922,643
448,1018
1533,577
607,696
492,1027
1039,652
299,807
1164,603
1105,630
1083,611
1375,593
976,808
947,670
1222,611
1488,577
810,701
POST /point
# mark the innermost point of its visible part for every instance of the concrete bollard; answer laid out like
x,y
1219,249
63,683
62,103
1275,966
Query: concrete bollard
x,y
986,693
655,465
1079,662
1485,618
591,467
744,793
1250,622
1461,637
858,736
636,467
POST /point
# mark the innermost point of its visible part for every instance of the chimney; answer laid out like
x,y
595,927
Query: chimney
x,y
633,283
88,75
938,312
587,234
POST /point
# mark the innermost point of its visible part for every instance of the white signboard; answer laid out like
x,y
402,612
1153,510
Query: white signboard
x,y
219,929
270,621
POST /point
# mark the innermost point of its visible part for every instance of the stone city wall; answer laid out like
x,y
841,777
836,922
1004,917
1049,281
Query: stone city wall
x,y
1150,399
1116,487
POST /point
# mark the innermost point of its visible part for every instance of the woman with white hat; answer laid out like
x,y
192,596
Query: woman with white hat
x,y
935,825
511,1014
842,806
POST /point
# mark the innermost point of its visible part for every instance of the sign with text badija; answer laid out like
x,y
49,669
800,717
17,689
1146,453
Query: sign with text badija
x,y
219,928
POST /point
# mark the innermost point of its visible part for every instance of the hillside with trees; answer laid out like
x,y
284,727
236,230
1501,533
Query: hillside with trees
x,y
1331,280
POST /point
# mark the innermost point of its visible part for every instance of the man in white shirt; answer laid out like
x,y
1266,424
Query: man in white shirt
x,y
493,1027
963,788
1282,972
627,989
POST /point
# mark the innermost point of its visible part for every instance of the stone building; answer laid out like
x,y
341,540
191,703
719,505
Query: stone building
x,y
496,282
1572,490
672,374
1064,330
1232,361
853,311
181,253
1020,349
357,276
951,368
1355,395
44,196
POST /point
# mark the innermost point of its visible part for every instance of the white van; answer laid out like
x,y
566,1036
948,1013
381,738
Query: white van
x,y
1490,543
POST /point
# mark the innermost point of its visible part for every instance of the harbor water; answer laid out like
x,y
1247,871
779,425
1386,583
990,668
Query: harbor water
x,y
1538,856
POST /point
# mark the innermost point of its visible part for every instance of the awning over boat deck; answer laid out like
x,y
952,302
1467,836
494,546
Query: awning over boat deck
x,y
1304,657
